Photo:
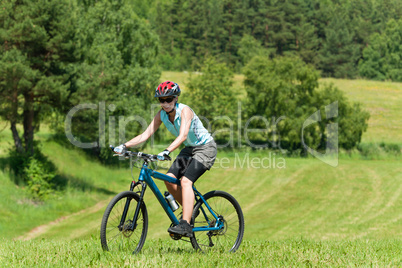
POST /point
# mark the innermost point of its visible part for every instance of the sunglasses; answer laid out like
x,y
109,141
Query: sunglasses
x,y
168,100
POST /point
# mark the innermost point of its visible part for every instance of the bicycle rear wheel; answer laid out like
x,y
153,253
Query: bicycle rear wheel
x,y
123,237
229,211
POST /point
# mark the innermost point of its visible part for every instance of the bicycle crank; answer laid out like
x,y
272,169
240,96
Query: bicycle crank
x,y
174,236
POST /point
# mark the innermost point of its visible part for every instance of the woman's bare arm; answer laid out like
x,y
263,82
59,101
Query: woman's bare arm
x,y
186,117
155,124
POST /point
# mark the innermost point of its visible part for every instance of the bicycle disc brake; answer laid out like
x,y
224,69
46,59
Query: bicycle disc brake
x,y
127,228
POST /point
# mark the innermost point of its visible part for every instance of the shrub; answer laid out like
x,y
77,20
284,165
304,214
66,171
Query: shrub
x,y
36,172
287,88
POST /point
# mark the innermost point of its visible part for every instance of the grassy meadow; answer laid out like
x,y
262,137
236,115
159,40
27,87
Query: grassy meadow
x,y
298,211
383,100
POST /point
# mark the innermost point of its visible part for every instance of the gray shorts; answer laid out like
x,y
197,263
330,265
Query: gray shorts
x,y
205,154
192,162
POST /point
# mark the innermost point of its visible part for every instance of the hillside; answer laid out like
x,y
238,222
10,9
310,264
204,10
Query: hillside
x,y
296,198
304,198
383,100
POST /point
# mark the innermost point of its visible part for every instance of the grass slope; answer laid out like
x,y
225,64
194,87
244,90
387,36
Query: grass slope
x,y
358,199
383,100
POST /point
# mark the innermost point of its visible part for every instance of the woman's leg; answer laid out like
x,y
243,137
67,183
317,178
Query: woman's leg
x,y
191,174
174,189
184,195
187,198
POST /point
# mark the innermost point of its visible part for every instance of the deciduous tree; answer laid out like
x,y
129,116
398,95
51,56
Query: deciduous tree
x,y
287,88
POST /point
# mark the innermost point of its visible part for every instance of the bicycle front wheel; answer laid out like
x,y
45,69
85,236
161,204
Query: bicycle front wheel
x,y
122,234
228,210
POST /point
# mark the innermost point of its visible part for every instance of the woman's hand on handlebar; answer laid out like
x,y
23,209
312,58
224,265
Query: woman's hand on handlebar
x,y
121,149
164,155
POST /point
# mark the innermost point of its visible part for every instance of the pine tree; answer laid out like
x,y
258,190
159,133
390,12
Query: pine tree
x,y
382,59
37,53
340,53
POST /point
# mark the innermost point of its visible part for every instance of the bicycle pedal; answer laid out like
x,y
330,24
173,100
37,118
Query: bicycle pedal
x,y
175,236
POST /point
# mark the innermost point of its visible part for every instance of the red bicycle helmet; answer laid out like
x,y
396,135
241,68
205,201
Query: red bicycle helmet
x,y
166,89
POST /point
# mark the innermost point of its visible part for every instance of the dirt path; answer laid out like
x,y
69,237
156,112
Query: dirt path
x,y
38,231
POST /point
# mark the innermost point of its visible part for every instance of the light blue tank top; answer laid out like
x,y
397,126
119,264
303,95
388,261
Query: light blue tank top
x,y
197,135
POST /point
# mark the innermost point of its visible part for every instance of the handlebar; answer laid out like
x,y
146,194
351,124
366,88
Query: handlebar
x,y
147,157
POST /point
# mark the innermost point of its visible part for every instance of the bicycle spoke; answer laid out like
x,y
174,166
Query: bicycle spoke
x,y
226,208
117,234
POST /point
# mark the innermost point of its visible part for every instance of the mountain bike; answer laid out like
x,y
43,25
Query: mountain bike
x,y
217,218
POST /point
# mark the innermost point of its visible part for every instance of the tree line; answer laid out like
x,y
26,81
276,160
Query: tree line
x,y
341,38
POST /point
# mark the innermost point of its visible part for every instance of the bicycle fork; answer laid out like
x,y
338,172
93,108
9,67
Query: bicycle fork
x,y
133,224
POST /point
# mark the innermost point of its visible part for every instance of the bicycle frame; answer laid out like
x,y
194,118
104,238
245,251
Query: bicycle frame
x,y
145,176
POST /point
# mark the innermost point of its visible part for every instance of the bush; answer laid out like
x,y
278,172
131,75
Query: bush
x,y
377,151
391,148
36,172
213,99
287,88
369,150
39,176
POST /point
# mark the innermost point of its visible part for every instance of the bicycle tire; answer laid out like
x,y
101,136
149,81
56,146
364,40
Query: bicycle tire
x,y
230,237
121,238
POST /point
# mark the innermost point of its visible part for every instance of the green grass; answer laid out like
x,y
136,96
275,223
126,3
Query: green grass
x,y
285,253
182,78
81,188
383,100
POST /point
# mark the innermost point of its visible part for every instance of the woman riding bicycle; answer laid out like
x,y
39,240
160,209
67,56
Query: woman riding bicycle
x,y
194,159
